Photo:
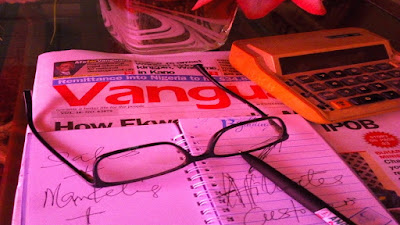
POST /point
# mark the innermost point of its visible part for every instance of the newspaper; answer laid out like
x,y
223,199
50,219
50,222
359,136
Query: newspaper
x,y
372,147
78,89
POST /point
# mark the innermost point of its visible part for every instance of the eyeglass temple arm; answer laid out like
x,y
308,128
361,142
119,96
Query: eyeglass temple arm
x,y
28,109
203,71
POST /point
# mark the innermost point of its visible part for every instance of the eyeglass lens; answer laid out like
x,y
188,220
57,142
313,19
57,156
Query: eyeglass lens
x,y
140,163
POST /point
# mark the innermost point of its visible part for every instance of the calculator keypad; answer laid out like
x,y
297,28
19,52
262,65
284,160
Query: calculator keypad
x,y
337,89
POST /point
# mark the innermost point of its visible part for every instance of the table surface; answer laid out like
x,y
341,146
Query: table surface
x,y
26,31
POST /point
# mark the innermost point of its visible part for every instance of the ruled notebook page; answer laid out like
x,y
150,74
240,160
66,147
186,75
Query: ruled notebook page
x,y
242,196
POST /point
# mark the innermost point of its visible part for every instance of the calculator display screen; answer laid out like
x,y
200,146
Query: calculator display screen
x,y
315,61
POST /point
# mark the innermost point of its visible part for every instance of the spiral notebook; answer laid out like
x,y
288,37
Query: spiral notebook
x,y
212,191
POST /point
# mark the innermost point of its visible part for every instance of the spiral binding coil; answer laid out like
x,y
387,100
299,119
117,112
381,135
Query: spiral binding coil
x,y
199,175
196,169
199,184
211,220
180,140
179,136
208,211
196,176
203,202
200,193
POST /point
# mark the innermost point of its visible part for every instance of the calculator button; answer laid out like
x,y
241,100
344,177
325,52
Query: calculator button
x,y
377,87
340,104
334,84
345,92
365,78
317,87
304,79
382,76
353,71
370,68
366,99
394,73
350,81
290,82
306,94
328,95
321,106
322,76
362,89
384,66
390,94
337,73
394,83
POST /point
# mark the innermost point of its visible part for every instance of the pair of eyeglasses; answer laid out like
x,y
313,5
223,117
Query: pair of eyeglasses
x,y
155,159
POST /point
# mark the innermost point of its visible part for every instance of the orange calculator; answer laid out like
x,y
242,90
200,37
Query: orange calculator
x,y
326,76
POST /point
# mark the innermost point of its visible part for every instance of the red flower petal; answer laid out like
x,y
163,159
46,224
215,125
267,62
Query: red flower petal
x,y
254,9
200,3
312,6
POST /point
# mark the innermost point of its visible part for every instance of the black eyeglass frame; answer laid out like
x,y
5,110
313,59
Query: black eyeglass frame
x,y
96,181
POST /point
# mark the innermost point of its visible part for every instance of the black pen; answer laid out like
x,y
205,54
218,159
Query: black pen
x,y
298,192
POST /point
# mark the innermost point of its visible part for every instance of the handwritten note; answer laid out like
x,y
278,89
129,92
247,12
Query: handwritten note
x,y
54,194
244,196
